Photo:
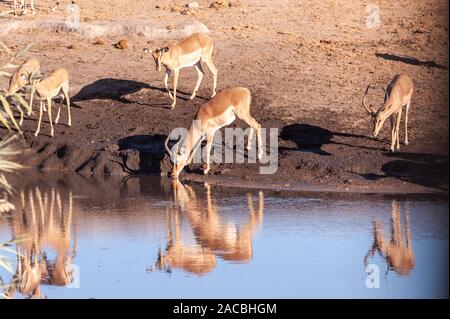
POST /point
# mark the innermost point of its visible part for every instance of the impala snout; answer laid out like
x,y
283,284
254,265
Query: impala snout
x,y
177,168
377,125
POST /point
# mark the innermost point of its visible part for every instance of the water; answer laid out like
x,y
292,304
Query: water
x,y
145,238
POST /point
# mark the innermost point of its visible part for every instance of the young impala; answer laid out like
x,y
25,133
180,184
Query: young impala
x,y
398,94
190,51
20,78
218,112
57,84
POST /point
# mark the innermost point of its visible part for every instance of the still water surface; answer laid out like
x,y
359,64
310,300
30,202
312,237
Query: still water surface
x,y
143,237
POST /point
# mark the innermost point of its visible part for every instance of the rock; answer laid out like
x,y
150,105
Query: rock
x,y
192,5
223,4
98,42
122,44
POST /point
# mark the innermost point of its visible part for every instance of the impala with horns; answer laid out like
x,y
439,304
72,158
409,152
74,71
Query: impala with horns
x,y
56,84
397,95
218,112
191,51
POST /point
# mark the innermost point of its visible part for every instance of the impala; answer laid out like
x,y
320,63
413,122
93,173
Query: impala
x,y
188,52
56,84
397,95
20,78
218,112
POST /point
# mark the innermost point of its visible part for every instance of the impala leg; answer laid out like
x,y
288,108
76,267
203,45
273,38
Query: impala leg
x,y
166,78
213,69
41,107
32,7
397,128
200,74
175,83
30,107
49,102
21,115
250,138
254,125
209,141
61,100
393,136
406,122
65,89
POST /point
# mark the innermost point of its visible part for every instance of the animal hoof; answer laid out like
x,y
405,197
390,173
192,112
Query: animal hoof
x,y
36,134
205,171
406,142
214,93
192,97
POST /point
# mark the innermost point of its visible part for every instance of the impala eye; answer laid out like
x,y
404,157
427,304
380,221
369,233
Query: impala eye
x,y
182,151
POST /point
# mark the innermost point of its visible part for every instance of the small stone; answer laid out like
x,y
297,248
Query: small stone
x,y
192,5
98,42
122,44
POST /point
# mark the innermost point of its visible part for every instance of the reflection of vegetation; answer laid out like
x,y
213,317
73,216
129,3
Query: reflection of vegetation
x,y
46,219
5,206
396,250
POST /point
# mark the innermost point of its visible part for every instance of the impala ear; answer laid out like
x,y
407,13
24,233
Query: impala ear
x,y
165,49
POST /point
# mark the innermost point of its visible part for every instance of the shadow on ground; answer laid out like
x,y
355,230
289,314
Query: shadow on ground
x,y
410,60
149,150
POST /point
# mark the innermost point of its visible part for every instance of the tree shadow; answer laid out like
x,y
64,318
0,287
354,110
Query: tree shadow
x,y
150,149
410,60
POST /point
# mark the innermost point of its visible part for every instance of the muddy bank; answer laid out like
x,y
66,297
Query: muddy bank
x,y
126,138
307,76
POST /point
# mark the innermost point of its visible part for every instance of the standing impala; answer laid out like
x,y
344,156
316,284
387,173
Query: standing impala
x,y
188,52
398,94
57,84
213,115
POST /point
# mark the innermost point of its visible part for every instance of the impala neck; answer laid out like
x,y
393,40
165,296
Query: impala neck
x,y
192,141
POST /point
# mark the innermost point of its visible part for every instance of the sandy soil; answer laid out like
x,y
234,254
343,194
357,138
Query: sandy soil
x,y
306,62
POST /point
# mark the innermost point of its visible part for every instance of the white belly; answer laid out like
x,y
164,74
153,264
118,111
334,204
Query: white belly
x,y
190,59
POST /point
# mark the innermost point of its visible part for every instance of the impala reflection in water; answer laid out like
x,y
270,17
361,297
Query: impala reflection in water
x,y
214,235
397,252
146,237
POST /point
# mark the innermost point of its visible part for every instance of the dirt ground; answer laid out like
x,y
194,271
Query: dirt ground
x,y
307,64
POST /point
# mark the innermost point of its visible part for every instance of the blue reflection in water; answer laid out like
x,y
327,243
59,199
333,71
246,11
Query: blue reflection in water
x,y
148,238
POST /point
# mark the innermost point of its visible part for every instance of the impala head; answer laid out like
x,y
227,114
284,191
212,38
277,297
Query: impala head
x,y
157,55
18,81
179,157
379,116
